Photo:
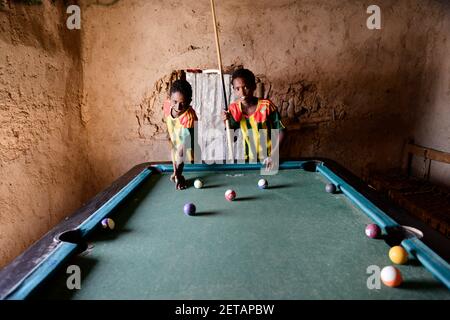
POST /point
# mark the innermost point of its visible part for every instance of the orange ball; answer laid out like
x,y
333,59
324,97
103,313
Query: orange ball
x,y
398,255
391,276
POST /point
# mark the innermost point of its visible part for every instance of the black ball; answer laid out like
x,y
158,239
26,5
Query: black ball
x,y
330,188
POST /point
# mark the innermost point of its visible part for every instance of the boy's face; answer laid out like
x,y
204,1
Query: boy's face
x,y
178,103
243,90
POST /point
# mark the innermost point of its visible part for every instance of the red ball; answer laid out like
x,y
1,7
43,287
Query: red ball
x,y
230,195
373,231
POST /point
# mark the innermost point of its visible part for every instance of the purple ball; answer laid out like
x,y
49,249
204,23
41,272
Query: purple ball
x,y
373,231
189,209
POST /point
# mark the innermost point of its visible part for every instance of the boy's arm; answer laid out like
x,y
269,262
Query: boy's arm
x,y
180,182
186,142
178,166
280,138
179,161
275,124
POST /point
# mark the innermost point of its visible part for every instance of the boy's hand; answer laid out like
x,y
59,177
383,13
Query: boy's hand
x,y
225,115
180,183
269,163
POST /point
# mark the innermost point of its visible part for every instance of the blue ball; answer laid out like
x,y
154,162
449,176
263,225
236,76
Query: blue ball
x,y
189,209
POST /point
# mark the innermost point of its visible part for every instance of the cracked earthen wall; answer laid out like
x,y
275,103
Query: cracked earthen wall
x,y
93,111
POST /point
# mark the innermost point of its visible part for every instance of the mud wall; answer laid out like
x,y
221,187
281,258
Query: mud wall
x,y
346,92
43,170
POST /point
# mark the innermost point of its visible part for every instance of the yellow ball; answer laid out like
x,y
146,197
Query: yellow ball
x,y
398,255
108,223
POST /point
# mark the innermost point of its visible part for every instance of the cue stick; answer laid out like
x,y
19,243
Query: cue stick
x,y
219,58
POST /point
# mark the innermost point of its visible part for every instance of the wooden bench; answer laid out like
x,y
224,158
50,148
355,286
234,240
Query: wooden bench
x,y
416,194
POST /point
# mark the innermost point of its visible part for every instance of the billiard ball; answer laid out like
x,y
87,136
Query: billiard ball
x,y
391,276
108,223
230,195
330,188
198,184
398,255
373,231
263,184
189,209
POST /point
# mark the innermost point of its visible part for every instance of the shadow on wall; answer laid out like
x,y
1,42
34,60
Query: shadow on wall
x,y
432,122
376,114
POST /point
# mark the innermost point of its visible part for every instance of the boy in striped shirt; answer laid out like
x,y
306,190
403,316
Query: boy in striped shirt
x,y
255,118
180,118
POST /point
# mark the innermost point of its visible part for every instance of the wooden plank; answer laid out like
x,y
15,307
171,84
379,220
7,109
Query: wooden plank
x,y
407,159
428,153
303,123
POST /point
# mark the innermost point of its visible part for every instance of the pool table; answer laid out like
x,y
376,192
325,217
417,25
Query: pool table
x,y
292,240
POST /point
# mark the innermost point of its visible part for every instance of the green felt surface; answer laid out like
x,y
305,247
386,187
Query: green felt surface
x,y
291,241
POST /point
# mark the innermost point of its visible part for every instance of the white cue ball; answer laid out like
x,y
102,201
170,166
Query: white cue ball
x,y
198,184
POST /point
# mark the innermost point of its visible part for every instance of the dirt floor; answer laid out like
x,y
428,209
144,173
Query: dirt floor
x,y
78,108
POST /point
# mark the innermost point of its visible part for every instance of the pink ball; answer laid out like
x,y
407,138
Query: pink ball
x,y
230,195
373,231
